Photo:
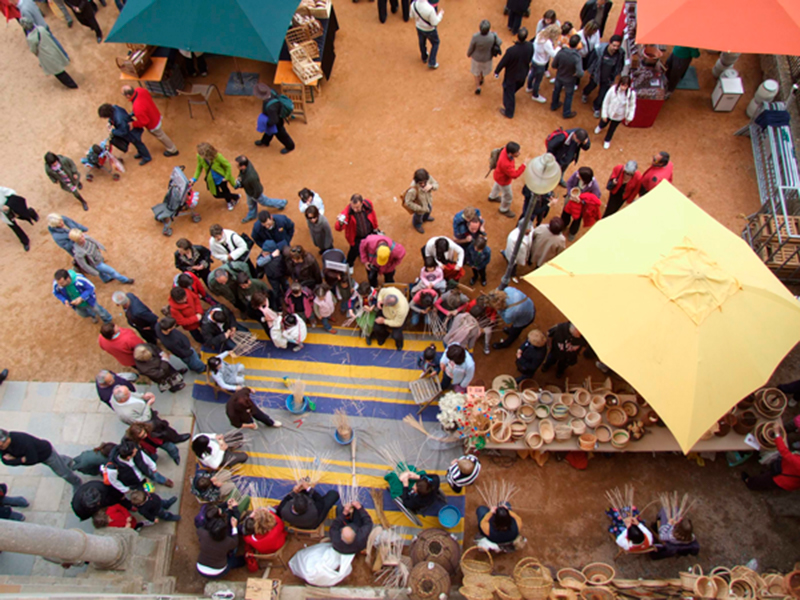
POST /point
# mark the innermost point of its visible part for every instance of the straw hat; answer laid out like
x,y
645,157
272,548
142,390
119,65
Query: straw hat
x,y
262,91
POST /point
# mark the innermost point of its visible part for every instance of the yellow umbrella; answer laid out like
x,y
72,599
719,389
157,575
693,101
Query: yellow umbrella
x,y
678,305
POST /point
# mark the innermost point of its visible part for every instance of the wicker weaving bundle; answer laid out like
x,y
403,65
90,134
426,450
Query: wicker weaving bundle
x,y
471,564
428,580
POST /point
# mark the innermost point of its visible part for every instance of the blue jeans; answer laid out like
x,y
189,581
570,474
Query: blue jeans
x,y
535,77
193,362
135,138
326,324
158,477
86,311
569,92
172,450
107,273
252,205
424,36
417,317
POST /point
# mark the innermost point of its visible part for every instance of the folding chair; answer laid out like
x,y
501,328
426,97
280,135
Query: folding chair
x,y
311,534
296,94
274,556
199,94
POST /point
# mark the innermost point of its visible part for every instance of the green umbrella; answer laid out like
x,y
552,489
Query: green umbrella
x,y
242,28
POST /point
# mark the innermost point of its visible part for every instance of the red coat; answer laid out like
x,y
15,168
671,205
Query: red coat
x,y
789,479
145,111
186,314
369,253
121,347
118,516
588,209
504,172
631,188
270,542
350,227
654,175
197,284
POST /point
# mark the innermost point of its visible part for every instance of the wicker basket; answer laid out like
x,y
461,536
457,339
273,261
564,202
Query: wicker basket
x,y
428,580
597,404
482,581
723,572
792,583
321,12
704,587
304,67
773,584
631,408
534,440
530,568
511,401
527,413
593,419
578,411
741,588
723,588
535,589
296,36
616,417
438,546
530,396
559,412
553,389
470,592
547,397
611,399
472,565
571,578
563,432
505,588
542,411
563,594
582,397
603,433
689,577
587,442
566,399
598,592
599,573
547,430
578,426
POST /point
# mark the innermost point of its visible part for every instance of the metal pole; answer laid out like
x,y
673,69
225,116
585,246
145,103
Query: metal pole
x,y
522,227
65,545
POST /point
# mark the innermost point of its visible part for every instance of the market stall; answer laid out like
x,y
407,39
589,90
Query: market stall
x,y
643,66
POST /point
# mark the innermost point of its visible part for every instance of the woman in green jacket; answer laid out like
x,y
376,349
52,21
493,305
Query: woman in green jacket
x,y
217,173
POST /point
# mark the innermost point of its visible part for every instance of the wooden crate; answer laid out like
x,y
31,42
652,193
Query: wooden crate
x,y
321,13
296,36
304,67
787,227
310,47
422,390
263,589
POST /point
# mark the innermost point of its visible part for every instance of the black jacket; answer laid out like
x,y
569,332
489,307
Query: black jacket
x,y
281,233
531,359
589,13
151,507
361,523
516,61
26,446
139,316
568,65
518,6
175,342
416,503
308,520
94,495
564,152
250,182
212,334
105,393
200,256
125,474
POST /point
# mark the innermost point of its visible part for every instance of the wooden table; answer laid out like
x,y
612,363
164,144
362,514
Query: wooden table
x,y
285,74
155,72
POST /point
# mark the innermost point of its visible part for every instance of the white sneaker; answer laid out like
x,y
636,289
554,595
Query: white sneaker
x,y
539,99
597,129
553,80
277,424
606,145
352,269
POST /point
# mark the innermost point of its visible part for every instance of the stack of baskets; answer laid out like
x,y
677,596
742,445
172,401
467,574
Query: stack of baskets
x,y
533,579
438,546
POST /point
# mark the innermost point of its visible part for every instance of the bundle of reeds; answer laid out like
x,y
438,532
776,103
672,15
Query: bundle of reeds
x,y
377,500
497,493
621,501
436,324
245,343
298,389
308,471
341,421
348,494
235,438
676,508
393,455
229,481
394,570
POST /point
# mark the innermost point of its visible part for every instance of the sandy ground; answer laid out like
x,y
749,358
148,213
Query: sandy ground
x,y
381,116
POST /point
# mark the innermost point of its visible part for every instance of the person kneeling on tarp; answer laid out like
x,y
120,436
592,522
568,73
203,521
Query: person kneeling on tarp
x,y
499,528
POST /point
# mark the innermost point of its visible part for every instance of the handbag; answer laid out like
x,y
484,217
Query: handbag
x,y
247,240
120,143
496,50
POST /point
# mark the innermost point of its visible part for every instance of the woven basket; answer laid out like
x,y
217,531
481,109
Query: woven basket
x,y
578,426
529,384
547,397
471,565
599,573
535,589
773,584
582,397
542,411
563,594
505,588
611,399
559,412
741,588
598,592
437,546
631,408
723,572
704,587
484,581
592,419
689,577
597,404
578,411
563,432
493,397
534,440
616,417
470,592
530,568
500,431
587,442
547,430
603,433
571,578
620,438
526,413
511,401
530,396
567,399
770,402
723,588
792,583
428,580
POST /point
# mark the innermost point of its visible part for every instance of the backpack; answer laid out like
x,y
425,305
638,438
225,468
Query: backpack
x,y
287,106
558,131
494,156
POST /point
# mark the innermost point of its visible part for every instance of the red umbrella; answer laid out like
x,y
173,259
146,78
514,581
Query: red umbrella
x,y
749,26
9,10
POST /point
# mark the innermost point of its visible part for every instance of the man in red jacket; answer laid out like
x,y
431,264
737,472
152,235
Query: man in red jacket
x,y
147,116
660,169
381,255
504,174
185,308
119,342
357,220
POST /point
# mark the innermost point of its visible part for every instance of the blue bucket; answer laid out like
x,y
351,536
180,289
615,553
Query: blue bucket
x,y
449,516
290,405
342,442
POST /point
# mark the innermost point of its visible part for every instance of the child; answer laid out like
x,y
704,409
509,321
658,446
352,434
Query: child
x,y
99,157
531,354
115,516
151,507
299,301
362,307
430,276
452,301
478,256
428,361
228,376
421,304
288,329
324,305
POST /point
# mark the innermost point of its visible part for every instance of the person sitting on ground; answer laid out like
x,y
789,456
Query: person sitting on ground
x,y
463,471
431,276
784,474
219,538
288,330
243,412
90,461
228,376
142,435
152,507
305,508
531,354
350,529
115,516
299,300
128,469
635,536
675,538
565,345
421,305
498,525
415,489
428,362
264,533
151,363
212,452
458,368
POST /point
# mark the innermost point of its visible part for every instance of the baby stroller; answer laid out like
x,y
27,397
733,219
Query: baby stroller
x,y
100,156
179,199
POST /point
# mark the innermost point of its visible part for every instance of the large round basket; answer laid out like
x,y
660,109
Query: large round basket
x,y
599,573
598,403
598,592
770,402
773,584
428,580
582,397
741,588
616,417
563,594
723,588
476,561
603,433
438,547
704,587
505,588
504,383
571,578
689,577
527,413
471,592
547,397
530,568
792,583
534,589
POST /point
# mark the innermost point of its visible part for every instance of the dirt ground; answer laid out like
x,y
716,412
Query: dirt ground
x,y
381,116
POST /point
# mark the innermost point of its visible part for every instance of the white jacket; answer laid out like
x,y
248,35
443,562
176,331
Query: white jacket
x,y
524,248
425,16
619,106
296,334
238,248
543,50
454,252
